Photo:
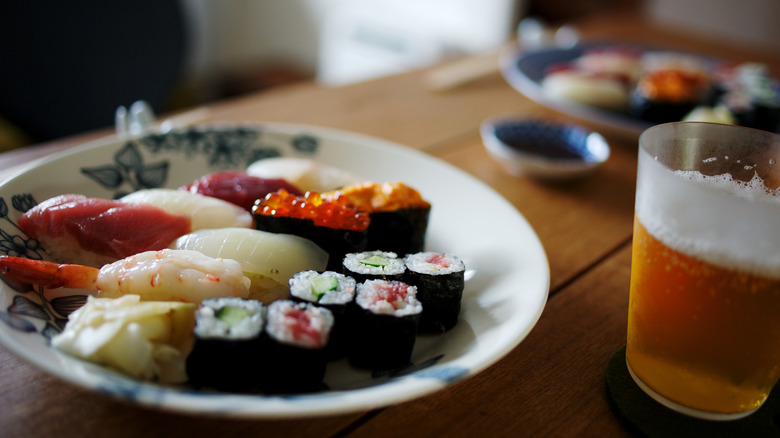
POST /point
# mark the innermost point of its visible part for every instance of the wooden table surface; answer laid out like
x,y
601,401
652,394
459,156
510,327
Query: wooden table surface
x,y
552,384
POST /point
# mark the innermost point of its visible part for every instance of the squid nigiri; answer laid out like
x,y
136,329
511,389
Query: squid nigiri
x,y
268,259
204,211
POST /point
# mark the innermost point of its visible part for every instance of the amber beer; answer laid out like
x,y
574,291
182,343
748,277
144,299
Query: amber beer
x,y
704,311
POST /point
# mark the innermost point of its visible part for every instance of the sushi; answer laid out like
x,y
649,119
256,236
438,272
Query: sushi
x,y
398,214
204,211
373,265
227,354
333,291
440,280
308,175
238,187
334,225
93,231
670,86
385,325
297,337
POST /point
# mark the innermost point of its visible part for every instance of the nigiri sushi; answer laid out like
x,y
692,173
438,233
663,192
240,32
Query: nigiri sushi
x,y
93,231
308,175
165,275
204,211
238,187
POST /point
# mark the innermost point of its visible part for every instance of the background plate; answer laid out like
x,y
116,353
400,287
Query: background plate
x,y
507,270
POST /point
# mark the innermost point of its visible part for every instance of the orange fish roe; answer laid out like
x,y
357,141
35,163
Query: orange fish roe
x,y
336,213
377,197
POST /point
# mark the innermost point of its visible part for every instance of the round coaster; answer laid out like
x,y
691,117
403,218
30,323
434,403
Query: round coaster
x,y
643,415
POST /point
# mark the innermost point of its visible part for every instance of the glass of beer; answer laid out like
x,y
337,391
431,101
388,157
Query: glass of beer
x,y
704,311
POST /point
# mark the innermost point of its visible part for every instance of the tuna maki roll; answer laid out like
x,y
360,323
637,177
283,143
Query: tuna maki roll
x,y
333,291
334,225
386,319
399,214
228,351
297,335
440,281
374,265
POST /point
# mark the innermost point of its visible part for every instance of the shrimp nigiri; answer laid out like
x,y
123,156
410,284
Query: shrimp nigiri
x,y
165,275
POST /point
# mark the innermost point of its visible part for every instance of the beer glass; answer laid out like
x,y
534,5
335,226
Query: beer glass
x,y
704,311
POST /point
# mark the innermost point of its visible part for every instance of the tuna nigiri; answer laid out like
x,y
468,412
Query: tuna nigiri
x,y
238,187
92,231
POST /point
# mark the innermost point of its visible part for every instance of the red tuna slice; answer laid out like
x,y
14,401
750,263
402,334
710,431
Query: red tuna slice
x,y
93,231
238,187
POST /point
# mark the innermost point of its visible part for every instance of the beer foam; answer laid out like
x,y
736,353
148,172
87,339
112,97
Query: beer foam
x,y
726,222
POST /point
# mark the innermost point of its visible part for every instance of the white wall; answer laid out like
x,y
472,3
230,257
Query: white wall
x,y
233,34
749,22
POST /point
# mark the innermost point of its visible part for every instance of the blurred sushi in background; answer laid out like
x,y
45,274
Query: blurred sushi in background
x,y
670,86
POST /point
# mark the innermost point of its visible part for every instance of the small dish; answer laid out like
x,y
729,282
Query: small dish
x,y
543,149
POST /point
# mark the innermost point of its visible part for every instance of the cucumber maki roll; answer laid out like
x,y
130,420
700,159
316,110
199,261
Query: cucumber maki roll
x,y
399,214
374,265
440,281
297,335
333,291
334,225
227,351
385,326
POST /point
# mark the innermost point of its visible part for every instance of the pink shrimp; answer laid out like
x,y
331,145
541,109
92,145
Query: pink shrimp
x,y
48,274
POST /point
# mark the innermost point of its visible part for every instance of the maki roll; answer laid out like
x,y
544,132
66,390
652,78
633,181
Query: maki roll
x,y
386,319
335,226
399,215
374,265
440,281
228,351
333,291
297,335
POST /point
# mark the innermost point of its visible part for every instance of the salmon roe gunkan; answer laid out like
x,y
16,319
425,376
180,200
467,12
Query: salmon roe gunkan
x,y
332,213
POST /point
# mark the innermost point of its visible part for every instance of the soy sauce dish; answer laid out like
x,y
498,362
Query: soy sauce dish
x,y
543,149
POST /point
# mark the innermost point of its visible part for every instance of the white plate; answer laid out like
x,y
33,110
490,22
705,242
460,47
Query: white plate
x,y
507,270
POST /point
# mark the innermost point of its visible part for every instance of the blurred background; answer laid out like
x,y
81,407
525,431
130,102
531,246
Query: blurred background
x,y
66,66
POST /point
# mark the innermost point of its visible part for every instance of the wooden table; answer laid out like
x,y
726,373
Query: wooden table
x,y
552,384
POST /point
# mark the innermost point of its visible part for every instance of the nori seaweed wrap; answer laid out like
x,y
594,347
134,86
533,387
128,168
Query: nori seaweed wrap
x,y
399,215
228,349
297,336
333,291
440,280
335,226
386,319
